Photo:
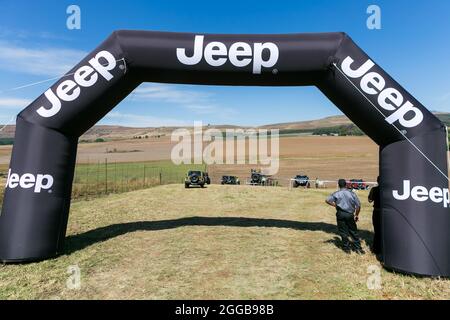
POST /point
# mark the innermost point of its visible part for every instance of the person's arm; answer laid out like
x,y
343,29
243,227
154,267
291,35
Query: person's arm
x,y
358,209
370,197
357,206
331,201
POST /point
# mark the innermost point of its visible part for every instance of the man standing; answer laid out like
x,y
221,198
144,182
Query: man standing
x,y
374,196
347,207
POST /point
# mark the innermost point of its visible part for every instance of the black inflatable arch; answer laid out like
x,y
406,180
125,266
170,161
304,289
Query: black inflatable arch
x,y
413,156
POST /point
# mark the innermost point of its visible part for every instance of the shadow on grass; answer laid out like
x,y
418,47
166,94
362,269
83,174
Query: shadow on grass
x,y
83,240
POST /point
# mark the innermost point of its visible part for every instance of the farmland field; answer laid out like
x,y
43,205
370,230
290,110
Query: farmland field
x,y
125,165
221,242
323,157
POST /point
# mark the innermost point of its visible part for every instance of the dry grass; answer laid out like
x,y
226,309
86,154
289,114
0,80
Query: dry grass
x,y
222,242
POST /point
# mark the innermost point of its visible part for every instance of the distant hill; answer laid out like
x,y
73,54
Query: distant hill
x,y
311,124
444,117
336,124
335,121
111,132
119,132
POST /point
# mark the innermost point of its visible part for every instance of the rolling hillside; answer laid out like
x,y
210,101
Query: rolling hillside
x,y
311,124
111,132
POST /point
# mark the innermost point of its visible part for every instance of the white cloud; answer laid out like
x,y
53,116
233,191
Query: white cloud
x,y
7,120
194,101
38,61
211,109
9,108
205,109
13,103
169,93
26,35
134,120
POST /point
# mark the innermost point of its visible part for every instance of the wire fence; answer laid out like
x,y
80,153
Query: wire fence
x,y
105,177
94,179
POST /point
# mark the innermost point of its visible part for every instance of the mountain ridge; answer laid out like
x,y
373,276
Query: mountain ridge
x,y
124,132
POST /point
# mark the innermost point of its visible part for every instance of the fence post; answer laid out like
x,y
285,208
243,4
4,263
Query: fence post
x,y
106,175
144,177
98,175
160,178
123,178
115,177
87,179
126,177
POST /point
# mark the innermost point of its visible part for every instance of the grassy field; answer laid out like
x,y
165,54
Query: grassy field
x,y
105,177
324,157
125,165
221,242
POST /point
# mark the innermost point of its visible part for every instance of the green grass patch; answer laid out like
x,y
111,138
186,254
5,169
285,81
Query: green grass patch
x,y
106,177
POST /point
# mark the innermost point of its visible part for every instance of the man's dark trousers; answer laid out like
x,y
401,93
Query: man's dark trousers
x,y
376,221
347,228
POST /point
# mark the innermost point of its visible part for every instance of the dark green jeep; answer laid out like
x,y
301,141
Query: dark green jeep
x,y
194,178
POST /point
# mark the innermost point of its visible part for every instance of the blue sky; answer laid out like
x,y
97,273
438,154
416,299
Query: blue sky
x,y
35,44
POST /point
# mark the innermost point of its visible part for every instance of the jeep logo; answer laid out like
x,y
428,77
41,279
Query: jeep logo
x,y
240,54
420,193
85,76
389,99
28,180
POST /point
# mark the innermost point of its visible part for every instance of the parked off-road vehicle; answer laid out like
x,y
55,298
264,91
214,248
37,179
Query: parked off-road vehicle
x,y
230,180
301,181
194,178
259,179
357,184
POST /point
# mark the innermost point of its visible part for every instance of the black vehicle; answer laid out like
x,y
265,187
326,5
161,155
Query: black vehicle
x,y
230,180
256,178
195,178
301,181
259,179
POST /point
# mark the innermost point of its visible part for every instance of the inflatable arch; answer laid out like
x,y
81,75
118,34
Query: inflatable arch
x,y
413,142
